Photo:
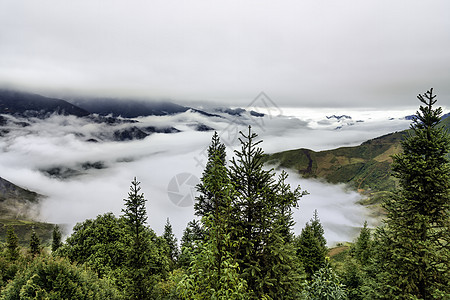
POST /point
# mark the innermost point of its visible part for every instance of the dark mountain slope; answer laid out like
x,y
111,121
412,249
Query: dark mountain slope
x,y
19,209
16,202
129,108
9,190
33,105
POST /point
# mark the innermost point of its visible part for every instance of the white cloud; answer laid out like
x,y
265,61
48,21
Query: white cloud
x,y
62,142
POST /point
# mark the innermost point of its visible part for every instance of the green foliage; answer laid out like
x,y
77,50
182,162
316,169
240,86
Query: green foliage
x,y
23,229
261,222
318,230
166,289
105,243
35,244
192,235
413,260
12,244
363,246
210,198
311,246
172,245
325,285
56,238
101,243
8,267
56,278
213,273
135,213
146,255
353,278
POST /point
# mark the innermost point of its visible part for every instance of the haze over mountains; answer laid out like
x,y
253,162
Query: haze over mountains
x,y
82,154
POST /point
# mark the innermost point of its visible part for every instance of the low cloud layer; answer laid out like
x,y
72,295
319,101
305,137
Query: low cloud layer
x,y
27,152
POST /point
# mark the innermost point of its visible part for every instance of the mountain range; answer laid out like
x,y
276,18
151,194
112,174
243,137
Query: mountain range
x,y
365,168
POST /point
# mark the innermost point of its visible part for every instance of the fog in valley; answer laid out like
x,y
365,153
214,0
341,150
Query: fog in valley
x,y
57,157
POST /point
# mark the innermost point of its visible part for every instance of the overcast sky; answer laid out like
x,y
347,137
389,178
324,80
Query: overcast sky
x,y
300,53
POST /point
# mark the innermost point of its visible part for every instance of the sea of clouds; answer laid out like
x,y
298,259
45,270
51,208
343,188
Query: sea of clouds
x,y
168,164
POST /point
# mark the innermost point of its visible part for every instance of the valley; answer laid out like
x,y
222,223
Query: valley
x,y
66,151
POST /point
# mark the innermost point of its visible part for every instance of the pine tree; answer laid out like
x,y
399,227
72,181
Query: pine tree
x,y
210,196
325,284
363,246
318,230
56,238
135,215
414,257
193,234
171,241
261,206
12,244
35,243
311,246
310,250
287,200
207,277
134,211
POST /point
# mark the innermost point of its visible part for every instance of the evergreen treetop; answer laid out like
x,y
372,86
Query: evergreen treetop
x,y
135,212
415,257
12,243
56,238
35,243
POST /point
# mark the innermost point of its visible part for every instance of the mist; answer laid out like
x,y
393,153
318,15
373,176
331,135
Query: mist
x,y
158,160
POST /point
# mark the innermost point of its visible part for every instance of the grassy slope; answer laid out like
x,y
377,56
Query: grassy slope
x,y
364,167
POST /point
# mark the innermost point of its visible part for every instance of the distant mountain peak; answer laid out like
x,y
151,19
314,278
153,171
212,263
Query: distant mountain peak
x,y
33,105
129,108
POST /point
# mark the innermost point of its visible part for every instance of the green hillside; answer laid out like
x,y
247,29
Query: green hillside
x,y
366,167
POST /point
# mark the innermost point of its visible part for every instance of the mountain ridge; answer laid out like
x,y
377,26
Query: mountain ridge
x,y
365,168
128,108
33,105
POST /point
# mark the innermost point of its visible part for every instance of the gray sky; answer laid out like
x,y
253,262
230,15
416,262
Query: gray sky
x,y
301,53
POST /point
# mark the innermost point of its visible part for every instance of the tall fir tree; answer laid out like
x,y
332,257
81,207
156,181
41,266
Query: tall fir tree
x,y
311,246
171,242
135,212
269,265
414,253
12,244
135,215
363,246
214,272
56,238
35,243
317,228
210,197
